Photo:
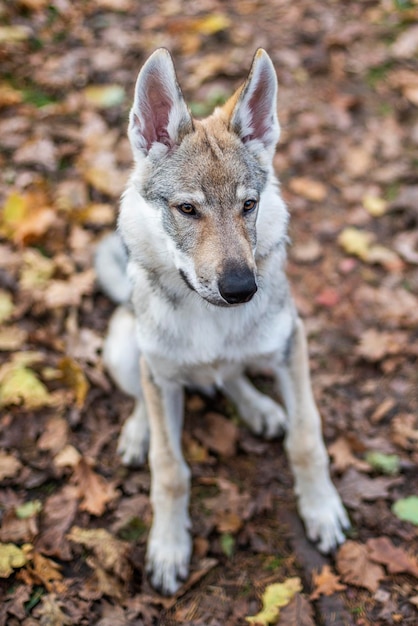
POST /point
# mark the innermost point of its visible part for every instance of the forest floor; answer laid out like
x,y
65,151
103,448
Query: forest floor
x,y
74,521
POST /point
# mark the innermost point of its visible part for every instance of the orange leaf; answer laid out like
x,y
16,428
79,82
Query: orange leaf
x,y
326,583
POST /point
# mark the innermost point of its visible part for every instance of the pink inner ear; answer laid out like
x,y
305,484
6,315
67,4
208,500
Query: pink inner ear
x,y
155,112
260,107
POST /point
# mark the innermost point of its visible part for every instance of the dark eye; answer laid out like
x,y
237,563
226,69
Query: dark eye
x,y
249,205
187,209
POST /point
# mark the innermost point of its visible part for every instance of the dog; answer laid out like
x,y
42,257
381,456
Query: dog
x,y
197,266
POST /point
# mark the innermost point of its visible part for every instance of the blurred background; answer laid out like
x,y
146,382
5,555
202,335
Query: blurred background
x,y
348,165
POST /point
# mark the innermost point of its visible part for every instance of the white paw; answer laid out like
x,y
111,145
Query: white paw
x,y
168,558
264,417
134,439
325,519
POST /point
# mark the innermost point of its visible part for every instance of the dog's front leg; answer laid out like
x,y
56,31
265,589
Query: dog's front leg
x,y
318,501
169,543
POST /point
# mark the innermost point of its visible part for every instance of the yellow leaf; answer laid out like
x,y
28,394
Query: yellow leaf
x,y
374,205
212,24
21,386
6,306
356,242
14,34
274,597
73,376
11,557
37,270
104,96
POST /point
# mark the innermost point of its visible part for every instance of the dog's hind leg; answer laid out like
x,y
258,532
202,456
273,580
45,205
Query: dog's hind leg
x,y
169,543
318,501
260,413
121,358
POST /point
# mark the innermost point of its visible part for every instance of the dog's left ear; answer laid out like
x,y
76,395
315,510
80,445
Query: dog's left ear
x,y
254,115
159,116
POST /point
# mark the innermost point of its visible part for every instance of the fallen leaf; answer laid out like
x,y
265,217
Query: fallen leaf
x,y
42,571
12,338
111,553
51,613
384,463
326,583
62,293
55,434
356,242
67,457
375,345
375,205
406,44
356,568
343,457
407,509
297,613
354,487
309,188
73,377
27,217
218,434
14,34
58,515
12,557
9,465
93,489
104,96
395,558
20,386
18,530
275,597
6,306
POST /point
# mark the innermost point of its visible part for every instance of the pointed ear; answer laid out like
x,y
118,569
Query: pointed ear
x,y
254,116
159,114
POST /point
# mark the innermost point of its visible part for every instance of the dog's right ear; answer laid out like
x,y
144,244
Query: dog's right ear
x,y
159,114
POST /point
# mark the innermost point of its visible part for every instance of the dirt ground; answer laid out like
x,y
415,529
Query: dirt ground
x,y
74,521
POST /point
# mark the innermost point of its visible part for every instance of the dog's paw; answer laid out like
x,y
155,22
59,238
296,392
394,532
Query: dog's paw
x,y
168,560
325,520
264,417
134,441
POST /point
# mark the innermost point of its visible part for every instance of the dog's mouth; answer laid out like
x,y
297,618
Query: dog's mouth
x,y
224,300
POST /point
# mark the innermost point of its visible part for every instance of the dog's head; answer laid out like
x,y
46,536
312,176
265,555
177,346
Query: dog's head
x,y
206,178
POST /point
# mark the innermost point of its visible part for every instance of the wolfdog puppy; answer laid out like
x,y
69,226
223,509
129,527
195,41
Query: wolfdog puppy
x,y
198,269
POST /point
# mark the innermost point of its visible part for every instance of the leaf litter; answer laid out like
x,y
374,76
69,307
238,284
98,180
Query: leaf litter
x,y
347,163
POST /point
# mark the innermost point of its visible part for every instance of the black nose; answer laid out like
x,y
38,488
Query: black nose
x,y
237,284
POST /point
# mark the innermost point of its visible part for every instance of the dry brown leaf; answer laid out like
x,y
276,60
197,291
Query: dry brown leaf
x,y
326,583
395,558
58,515
51,613
355,488
298,612
375,345
43,571
356,568
309,188
93,489
17,530
61,293
405,431
55,435
9,465
342,456
219,435
110,553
